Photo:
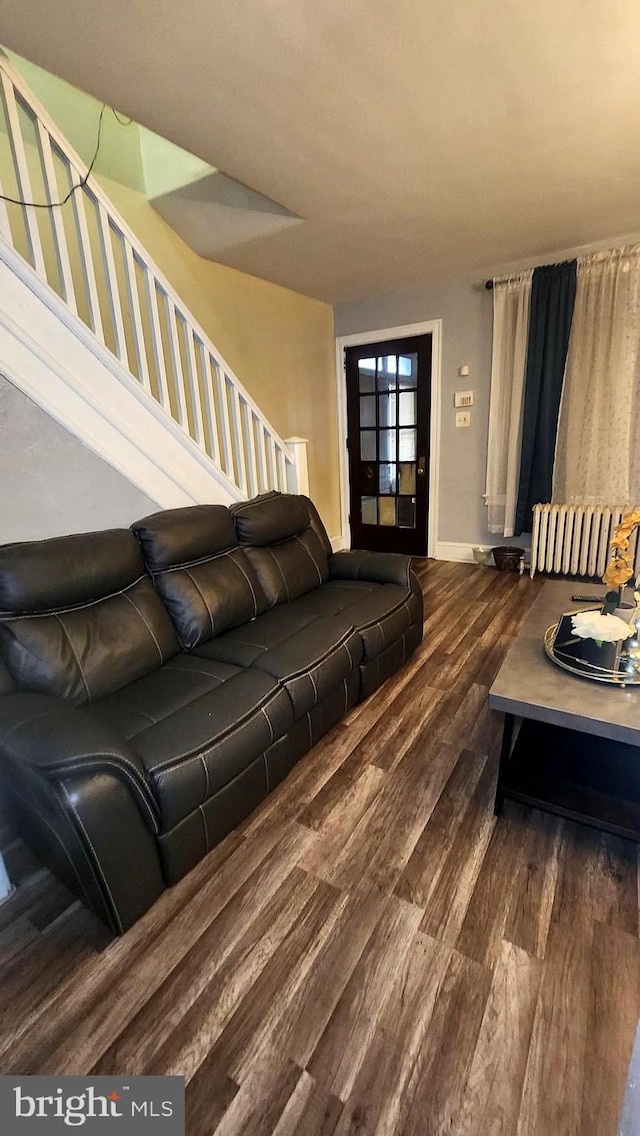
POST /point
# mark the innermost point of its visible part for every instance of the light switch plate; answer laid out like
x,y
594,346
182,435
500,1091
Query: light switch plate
x,y
463,398
463,418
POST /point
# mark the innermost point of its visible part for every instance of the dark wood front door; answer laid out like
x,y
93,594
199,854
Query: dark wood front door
x,y
388,415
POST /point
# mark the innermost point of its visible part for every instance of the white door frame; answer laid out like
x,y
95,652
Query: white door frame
x,y
429,327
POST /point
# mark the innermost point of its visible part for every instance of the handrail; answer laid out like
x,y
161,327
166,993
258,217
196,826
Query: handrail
x,y
106,277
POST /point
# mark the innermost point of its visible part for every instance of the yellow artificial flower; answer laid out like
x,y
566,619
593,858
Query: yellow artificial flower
x,y
617,574
620,567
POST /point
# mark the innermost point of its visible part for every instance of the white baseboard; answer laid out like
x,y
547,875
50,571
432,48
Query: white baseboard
x,y
449,550
338,543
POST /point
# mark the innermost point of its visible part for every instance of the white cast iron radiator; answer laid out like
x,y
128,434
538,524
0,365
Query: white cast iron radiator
x,y
573,540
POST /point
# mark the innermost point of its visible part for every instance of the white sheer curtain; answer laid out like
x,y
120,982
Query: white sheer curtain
x,y
597,448
511,298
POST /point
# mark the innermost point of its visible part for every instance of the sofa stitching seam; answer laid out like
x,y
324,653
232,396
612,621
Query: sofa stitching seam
x,y
57,836
182,567
277,564
120,764
268,723
76,607
253,591
311,557
147,625
202,597
207,786
75,655
206,828
95,855
189,756
320,659
387,615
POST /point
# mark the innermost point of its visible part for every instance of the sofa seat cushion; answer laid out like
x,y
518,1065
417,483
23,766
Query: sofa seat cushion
x,y
196,725
307,654
381,613
244,645
313,661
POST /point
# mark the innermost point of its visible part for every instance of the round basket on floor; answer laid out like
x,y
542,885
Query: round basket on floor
x,y
507,559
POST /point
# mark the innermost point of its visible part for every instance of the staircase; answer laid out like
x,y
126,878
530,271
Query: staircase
x,y
92,331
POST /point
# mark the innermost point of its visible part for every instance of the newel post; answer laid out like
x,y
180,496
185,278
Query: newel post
x,y
299,472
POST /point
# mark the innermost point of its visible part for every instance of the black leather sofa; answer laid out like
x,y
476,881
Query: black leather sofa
x,y
157,683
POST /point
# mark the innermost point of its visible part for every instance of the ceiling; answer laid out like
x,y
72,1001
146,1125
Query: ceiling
x,y
416,138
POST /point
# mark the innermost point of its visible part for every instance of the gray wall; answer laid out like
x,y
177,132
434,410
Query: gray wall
x,y
50,483
466,314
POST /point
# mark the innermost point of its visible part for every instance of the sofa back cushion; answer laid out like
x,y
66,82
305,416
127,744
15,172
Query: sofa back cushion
x,y
79,617
282,534
205,580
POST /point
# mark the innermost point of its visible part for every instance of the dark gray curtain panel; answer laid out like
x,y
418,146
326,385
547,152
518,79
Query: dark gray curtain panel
x,y
553,293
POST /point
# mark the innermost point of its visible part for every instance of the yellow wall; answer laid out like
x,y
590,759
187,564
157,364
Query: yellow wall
x,y
280,344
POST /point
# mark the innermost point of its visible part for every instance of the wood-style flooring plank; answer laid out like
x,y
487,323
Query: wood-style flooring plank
x,y
246,1039
597,879
300,1032
378,1101
259,1104
614,1008
340,1051
438,1078
310,1110
529,915
483,926
553,1088
453,886
440,832
292,909
491,1099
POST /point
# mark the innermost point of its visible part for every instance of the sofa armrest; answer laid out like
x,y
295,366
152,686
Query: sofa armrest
x,y
376,567
57,740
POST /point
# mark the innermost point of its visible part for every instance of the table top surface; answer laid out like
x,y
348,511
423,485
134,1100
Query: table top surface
x,y
530,685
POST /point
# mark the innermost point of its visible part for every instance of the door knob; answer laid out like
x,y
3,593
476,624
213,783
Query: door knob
x,y
421,465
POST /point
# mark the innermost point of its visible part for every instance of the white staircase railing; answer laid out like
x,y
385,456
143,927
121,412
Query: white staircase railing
x,y
89,256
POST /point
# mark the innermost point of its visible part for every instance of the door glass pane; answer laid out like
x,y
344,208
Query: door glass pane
x,y
369,477
367,410
407,371
387,445
386,510
367,376
406,512
388,479
387,406
369,510
368,445
407,445
407,411
407,471
387,373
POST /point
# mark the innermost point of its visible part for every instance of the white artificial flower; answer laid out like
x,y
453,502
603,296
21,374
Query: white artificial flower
x,y
602,628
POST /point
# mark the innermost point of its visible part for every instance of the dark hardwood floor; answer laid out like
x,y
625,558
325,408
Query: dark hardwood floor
x,y
373,952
